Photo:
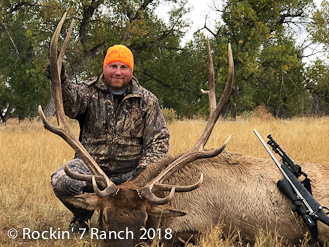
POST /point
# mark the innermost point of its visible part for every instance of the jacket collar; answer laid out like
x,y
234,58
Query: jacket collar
x,y
133,90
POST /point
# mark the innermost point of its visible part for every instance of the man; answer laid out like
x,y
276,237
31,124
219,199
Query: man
x,y
121,126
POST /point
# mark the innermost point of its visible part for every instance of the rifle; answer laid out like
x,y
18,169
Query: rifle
x,y
296,191
294,168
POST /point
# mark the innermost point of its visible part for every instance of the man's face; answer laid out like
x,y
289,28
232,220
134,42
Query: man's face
x,y
117,75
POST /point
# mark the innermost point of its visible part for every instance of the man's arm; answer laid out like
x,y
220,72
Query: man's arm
x,y
75,98
156,135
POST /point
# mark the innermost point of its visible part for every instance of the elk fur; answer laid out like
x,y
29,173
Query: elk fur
x,y
240,192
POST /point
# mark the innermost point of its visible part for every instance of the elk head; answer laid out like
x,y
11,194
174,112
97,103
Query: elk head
x,y
125,208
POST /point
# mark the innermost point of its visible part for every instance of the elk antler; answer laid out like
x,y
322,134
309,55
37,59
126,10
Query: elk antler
x,y
211,81
196,152
63,129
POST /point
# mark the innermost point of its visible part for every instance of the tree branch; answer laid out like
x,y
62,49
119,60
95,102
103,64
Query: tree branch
x,y
11,39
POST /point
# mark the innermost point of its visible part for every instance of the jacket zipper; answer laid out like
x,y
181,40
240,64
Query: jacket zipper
x,y
124,121
107,117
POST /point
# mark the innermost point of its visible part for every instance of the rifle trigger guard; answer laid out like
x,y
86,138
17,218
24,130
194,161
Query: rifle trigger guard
x,y
314,214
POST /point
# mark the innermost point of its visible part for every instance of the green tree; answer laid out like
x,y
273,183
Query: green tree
x,y
317,83
317,72
27,26
268,63
22,87
177,76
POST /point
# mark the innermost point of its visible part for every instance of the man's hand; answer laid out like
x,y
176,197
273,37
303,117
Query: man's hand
x,y
63,73
140,168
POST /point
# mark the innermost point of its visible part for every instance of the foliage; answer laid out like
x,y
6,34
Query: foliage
x,y
22,83
26,29
263,113
177,77
318,27
169,114
269,65
318,85
317,73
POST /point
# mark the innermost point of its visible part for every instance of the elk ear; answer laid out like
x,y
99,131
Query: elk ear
x,y
88,201
165,212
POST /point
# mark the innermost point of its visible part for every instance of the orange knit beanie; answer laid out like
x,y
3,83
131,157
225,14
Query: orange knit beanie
x,y
119,53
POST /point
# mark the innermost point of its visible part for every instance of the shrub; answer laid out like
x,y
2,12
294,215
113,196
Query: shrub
x,y
263,113
169,114
247,115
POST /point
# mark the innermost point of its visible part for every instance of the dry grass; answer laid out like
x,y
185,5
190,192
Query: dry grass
x,y
29,155
303,139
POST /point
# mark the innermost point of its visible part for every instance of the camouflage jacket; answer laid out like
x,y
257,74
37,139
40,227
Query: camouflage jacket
x,y
118,136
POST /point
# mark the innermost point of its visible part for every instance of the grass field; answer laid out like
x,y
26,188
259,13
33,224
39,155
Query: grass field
x,y
29,155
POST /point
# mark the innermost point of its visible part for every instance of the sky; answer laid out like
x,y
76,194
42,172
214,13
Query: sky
x,y
199,10
202,12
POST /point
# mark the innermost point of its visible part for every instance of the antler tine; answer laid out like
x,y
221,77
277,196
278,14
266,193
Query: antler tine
x,y
224,98
211,81
63,50
107,191
148,194
196,152
83,177
168,187
63,129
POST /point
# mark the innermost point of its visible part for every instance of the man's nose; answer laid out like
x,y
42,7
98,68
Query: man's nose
x,y
118,70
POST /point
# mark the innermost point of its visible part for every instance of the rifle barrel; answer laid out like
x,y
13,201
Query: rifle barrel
x,y
284,173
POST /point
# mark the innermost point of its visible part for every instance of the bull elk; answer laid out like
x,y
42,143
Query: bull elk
x,y
237,190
